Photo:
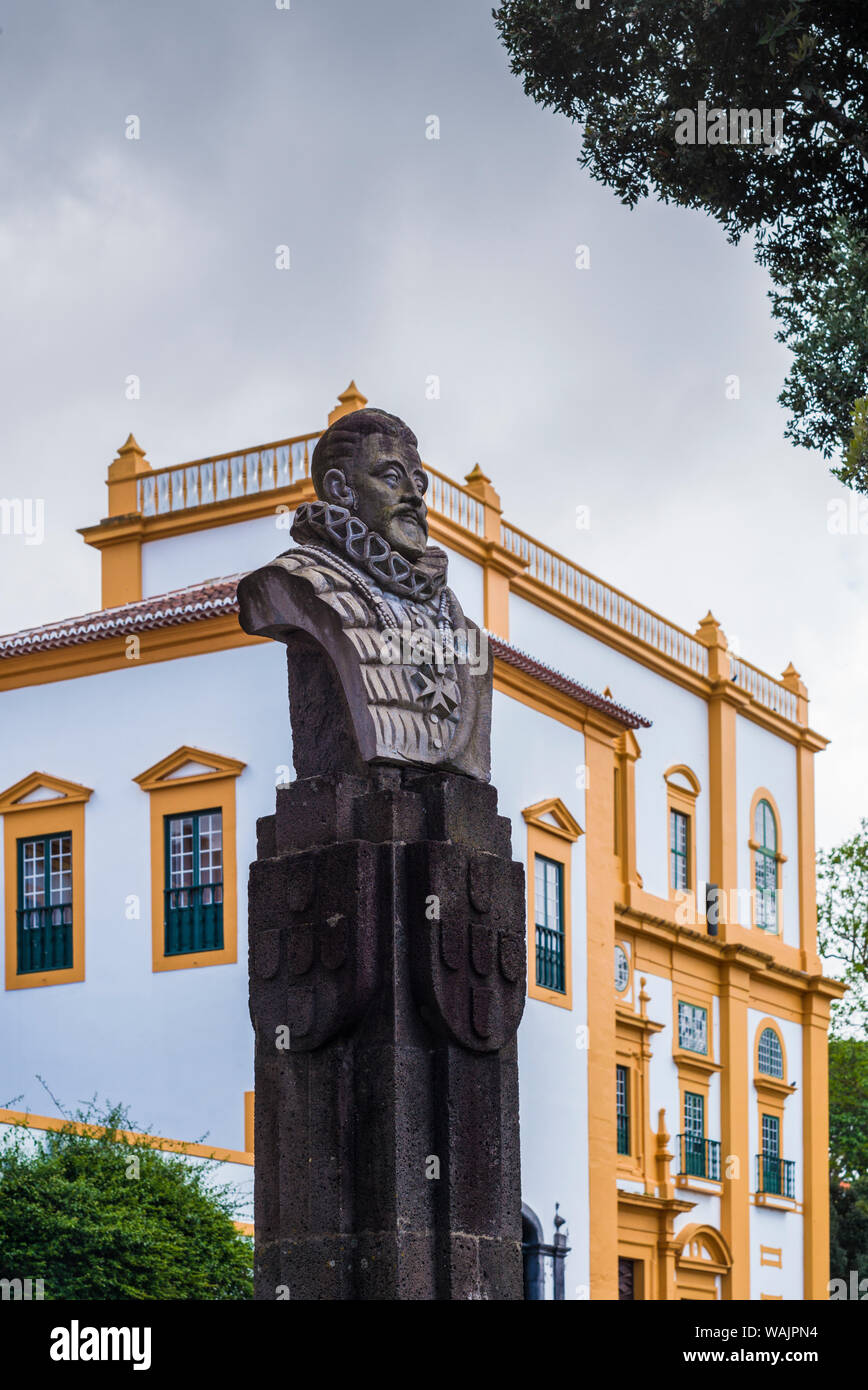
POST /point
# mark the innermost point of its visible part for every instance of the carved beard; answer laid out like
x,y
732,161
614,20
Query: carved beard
x,y
340,530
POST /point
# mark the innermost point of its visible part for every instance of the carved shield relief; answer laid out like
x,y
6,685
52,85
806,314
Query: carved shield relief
x,y
467,934
314,976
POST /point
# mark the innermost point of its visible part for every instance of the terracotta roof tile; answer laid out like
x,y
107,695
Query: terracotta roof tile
x,y
218,596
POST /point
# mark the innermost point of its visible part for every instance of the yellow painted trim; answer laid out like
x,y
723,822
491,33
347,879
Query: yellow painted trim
x,y
129,1136
771,1297
681,770
697,1273
682,799
815,1140
760,1078
566,825
722,801
807,859
162,774
772,1256
734,1078
67,793
248,1120
600,936
62,813
551,844
196,792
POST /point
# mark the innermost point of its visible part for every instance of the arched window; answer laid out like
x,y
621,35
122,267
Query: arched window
x,y
765,846
770,1057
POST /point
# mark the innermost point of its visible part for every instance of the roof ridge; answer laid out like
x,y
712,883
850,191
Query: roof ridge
x,y
207,596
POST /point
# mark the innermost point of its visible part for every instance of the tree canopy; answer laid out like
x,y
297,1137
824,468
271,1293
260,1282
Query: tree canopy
x,y
842,877
624,70
95,1218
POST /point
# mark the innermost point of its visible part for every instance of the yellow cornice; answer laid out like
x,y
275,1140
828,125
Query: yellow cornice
x,y
67,793
215,766
758,963
25,1120
566,826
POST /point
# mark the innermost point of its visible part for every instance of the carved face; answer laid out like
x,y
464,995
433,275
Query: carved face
x,y
385,489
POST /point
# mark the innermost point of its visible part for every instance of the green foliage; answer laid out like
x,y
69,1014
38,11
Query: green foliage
x,y
825,325
842,923
623,69
100,1219
849,1229
848,1108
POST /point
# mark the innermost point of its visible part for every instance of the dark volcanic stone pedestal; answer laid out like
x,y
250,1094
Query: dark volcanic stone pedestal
x,y
387,981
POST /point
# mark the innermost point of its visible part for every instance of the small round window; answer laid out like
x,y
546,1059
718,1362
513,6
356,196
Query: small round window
x,y
622,969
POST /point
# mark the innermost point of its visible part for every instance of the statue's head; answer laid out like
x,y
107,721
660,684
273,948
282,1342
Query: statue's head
x,y
368,461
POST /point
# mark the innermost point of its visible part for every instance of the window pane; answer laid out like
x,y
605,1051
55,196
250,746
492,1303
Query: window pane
x,y
771,1135
211,848
33,874
679,837
770,1058
61,870
693,1028
694,1115
181,852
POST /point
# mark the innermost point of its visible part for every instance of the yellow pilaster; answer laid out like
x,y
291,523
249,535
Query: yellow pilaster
x,y
815,1139
602,1133
119,536
667,1248
734,1084
499,565
722,805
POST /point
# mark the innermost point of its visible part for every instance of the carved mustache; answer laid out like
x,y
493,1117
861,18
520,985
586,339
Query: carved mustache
x,y
416,511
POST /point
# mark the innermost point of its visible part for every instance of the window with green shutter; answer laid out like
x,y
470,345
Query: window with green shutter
x,y
44,916
194,883
549,923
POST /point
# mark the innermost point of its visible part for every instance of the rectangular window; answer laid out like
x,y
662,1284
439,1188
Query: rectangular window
x,y
549,923
694,1134
44,917
774,1174
771,1136
679,849
622,1108
194,883
693,1028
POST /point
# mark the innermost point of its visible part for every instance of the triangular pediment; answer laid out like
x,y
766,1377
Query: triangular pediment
x,y
186,765
41,789
552,815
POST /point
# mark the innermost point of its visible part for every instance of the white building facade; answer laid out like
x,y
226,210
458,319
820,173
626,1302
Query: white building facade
x,y
672,1073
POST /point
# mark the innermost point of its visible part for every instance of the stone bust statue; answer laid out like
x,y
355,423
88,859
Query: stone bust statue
x,y
383,665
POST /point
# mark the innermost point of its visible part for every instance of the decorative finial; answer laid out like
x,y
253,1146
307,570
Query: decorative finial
x,y
559,1220
348,401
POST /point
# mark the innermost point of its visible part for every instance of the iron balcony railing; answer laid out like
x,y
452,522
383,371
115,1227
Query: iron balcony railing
x,y
549,958
44,938
698,1157
776,1176
194,919
623,1134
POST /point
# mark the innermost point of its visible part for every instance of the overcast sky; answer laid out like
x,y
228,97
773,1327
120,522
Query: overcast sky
x,y
602,387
